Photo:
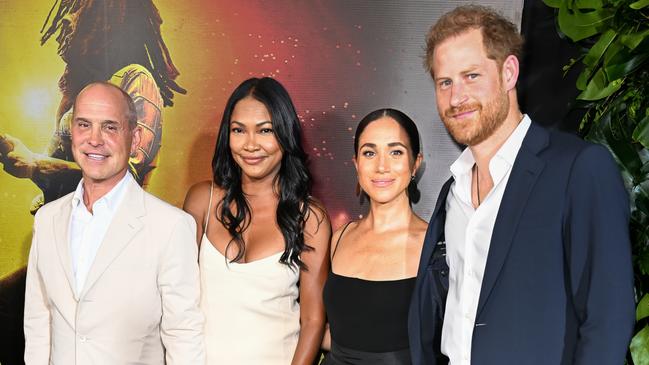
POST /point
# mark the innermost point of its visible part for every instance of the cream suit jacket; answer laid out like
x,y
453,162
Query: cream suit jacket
x,y
139,304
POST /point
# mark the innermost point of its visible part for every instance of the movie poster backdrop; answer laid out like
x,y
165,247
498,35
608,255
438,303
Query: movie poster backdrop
x,y
180,60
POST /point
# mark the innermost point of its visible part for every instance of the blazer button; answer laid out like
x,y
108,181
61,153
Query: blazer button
x,y
83,338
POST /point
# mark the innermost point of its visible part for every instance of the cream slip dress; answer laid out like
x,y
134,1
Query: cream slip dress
x,y
251,311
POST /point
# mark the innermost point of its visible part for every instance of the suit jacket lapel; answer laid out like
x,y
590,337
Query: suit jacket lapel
x,y
61,225
527,168
122,229
436,227
423,286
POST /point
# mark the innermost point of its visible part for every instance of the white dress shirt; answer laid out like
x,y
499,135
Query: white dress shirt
x,y
468,237
87,230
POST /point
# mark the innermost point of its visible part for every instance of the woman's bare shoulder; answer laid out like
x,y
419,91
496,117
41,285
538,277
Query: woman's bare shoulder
x,y
199,192
316,218
347,227
198,196
344,229
420,224
418,228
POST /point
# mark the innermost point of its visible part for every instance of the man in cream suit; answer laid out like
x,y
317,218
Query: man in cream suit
x,y
112,276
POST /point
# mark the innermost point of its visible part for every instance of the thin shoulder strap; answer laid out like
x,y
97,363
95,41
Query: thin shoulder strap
x,y
339,237
209,209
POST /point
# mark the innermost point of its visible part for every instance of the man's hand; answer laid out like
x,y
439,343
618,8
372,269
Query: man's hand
x,y
16,158
5,145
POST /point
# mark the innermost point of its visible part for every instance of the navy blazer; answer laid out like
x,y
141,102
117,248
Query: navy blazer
x,y
558,282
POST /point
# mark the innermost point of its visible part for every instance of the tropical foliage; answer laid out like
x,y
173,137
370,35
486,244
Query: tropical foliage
x,y
614,91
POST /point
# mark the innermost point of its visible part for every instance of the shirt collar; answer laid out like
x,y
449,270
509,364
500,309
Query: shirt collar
x,y
110,199
506,152
463,164
509,150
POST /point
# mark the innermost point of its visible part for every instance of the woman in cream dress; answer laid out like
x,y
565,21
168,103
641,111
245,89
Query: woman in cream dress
x,y
260,233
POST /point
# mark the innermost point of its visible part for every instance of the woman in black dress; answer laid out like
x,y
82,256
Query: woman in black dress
x,y
374,260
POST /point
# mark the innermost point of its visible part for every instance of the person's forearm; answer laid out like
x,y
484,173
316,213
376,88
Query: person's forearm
x,y
326,339
311,332
47,168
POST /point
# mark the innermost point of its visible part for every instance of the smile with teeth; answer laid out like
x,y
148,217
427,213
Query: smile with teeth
x,y
96,156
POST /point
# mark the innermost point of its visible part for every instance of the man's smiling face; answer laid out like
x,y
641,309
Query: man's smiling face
x,y
471,98
102,139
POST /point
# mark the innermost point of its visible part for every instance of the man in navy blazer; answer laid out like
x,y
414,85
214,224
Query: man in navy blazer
x,y
527,257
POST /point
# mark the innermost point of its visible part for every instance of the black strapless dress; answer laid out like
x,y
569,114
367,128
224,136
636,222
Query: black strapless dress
x,y
368,320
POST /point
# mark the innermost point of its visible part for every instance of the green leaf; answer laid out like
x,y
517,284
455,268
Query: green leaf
x,y
640,347
643,262
579,25
597,51
588,4
641,132
599,87
639,192
634,39
613,50
582,80
552,3
639,4
623,151
617,71
642,311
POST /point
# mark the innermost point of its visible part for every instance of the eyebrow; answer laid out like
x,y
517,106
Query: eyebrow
x,y
106,121
469,69
391,144
258,124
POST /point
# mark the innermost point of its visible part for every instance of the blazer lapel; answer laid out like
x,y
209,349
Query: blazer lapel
x,y
420,307
436,227
61,224
122,229
527,168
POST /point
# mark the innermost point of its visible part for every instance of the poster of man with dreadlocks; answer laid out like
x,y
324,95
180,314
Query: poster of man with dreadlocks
x,y
118,41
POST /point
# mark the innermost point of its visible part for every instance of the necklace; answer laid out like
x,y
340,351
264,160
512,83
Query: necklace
x,y
477,184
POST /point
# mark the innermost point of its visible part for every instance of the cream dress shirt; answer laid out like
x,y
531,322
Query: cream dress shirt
x,y
87,230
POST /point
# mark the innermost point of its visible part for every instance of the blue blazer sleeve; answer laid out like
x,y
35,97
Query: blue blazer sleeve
x,y
598,256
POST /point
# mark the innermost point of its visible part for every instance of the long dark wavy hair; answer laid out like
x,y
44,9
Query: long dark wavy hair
x,y
293,181
409,126
99,37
